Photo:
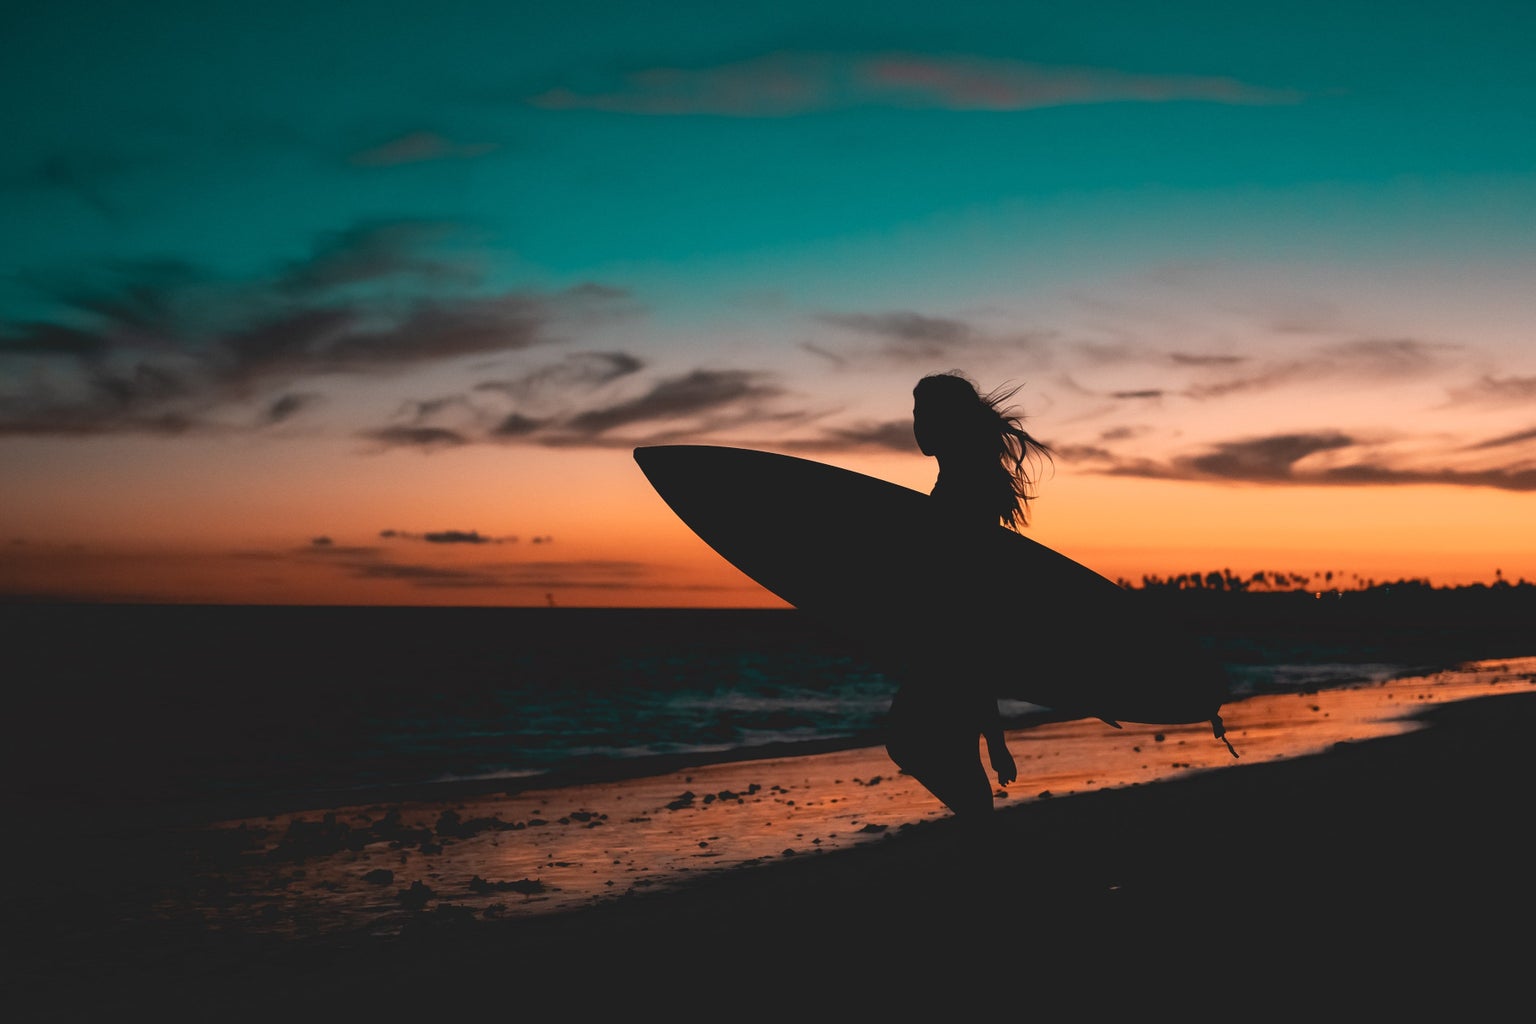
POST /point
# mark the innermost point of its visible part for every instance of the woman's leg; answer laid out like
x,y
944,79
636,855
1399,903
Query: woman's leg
x,y
940,751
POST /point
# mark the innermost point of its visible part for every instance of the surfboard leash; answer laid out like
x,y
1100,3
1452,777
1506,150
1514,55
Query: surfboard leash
x,y
1220,732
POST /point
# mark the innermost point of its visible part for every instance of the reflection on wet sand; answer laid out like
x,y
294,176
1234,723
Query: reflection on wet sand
x,y
378,866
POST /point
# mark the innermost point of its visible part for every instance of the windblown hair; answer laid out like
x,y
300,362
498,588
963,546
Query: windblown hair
x,y
985,442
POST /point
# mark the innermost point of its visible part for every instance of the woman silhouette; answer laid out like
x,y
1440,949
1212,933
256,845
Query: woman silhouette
x,y
985,479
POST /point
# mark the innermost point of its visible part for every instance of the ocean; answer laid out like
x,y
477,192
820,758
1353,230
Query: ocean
x,y
264,709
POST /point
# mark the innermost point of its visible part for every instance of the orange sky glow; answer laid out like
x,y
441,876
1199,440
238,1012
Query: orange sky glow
x,y
621,546
287,323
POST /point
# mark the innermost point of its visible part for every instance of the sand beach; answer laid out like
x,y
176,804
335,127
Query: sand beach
x,y
1369,848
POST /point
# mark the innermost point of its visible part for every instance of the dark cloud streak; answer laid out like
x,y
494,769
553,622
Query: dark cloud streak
x,y
542,576
158,343
907,334
1273,461
784,84
1381,360
416,437
892,435
577,370
695,393
1491,390
1267,459
419,147
1505,441
448,537
376,251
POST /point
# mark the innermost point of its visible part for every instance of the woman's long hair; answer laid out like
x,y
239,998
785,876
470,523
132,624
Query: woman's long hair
x,y
978,431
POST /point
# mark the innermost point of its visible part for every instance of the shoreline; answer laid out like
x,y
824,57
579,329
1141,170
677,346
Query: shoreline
x,y
1368,848
197,811
126,727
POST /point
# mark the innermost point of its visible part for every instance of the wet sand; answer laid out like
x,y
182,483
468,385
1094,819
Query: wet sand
x,y
1367,851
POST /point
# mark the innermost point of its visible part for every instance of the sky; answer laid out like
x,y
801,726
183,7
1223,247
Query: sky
x,y
370,304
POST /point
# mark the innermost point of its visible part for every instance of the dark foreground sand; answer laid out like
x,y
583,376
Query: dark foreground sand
x,y
1389,876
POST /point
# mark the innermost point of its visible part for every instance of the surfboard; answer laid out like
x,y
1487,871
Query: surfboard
x,y
881,563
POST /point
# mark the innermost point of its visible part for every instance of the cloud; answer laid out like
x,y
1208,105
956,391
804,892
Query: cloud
x,y
1266,459
1386,358
578,370
972,83
35,338
790,83
84,176
432,576
1374,360
908,335
1506,441
515,424
699,393
541,576
891,435
819,352
419,147
694,404
286,406
1495,391
1202,359
416,437
375,251
161,347
448,537
1283,459
321,547
431,331
364,562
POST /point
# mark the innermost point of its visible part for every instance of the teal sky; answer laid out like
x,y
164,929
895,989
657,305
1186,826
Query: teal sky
x,y
1270,244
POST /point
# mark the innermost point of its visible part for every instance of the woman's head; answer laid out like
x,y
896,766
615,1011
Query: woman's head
x,y
971,432
949,416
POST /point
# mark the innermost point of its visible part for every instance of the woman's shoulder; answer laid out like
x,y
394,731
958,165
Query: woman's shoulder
x,y
966,501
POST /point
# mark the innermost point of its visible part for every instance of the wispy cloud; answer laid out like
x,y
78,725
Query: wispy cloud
x,y
1522,437
706,393
88,177
287,406
906,334
1380,360
1204,359
695,404
1266,459
890,435
1501,391
162,347
542,576
1318,459
419,147
425,438
790,83
454,537
578,370
376,251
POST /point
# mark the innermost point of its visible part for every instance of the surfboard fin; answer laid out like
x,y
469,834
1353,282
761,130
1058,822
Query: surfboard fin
x,y
1220,731
1109,721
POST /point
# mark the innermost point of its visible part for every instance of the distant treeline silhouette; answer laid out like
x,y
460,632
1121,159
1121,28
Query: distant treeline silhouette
x,y
1402,619
1226,581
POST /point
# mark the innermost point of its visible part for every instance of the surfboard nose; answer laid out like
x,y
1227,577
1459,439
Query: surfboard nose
x,y
666,466
701,483
651,456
